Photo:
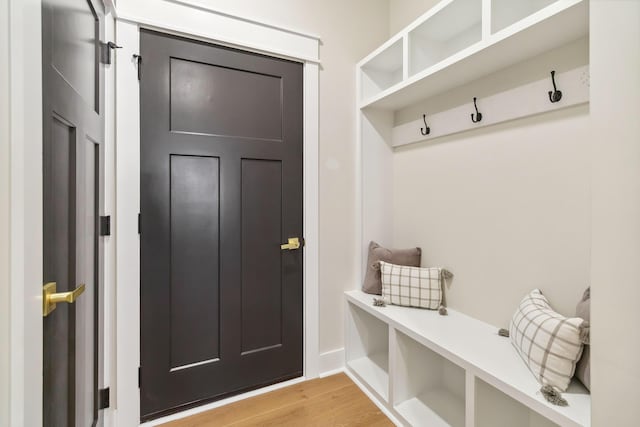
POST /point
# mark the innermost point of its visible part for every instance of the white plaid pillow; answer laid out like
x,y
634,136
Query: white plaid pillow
x,y
548,342
411,286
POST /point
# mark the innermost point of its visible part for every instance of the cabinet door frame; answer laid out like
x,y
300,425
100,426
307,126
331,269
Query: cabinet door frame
x,y
235,32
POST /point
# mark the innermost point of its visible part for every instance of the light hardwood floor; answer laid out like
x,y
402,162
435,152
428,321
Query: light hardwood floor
x,y
331,401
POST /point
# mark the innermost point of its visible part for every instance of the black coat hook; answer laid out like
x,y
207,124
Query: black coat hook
x,y
556,95
426,130
478,113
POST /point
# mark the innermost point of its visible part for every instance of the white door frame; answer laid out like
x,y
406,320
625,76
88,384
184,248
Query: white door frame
x,y
199,22
21,214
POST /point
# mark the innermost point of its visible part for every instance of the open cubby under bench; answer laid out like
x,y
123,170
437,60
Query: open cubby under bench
x,y
432,370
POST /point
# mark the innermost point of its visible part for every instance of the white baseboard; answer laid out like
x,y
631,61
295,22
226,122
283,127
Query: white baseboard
x,y
331,362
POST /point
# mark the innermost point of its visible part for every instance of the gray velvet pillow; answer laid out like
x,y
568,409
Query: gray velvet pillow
x,y
583,369
372,280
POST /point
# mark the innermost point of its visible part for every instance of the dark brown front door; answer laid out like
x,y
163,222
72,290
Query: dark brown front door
x,y
221,190
73,134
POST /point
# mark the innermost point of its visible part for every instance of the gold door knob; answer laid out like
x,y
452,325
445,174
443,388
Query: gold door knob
x,y
292,244
50,298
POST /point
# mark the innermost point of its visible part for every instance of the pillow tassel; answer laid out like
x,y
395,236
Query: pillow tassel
x,y
444,276
553,396
584,333
503,332
379,302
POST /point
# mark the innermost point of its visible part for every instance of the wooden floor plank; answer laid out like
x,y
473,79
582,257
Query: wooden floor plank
x,y
233,412
330,401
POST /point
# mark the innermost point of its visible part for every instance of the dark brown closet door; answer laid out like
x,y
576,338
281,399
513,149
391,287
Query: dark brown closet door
x,y
73,147
221,190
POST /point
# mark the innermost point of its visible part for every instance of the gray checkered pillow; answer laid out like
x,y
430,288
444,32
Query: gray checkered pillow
x,y
548,342
412,286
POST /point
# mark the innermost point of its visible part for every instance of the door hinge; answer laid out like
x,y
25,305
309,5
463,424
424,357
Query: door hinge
x,y
138,59
139,376
105,51
105,225
139,225
103,398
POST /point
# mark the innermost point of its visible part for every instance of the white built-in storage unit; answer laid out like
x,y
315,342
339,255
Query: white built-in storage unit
x,y
454,43
432,370
453,370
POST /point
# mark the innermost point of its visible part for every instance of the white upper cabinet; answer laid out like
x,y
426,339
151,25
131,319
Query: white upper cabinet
x,y
458,41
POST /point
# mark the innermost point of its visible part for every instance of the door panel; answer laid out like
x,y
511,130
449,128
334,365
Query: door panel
x,y
216,100
73,135
75,30
261,214
59,226
221,189
195,239
85,307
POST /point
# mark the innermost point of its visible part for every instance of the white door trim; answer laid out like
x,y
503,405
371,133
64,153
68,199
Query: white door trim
x,y
204,24
23,250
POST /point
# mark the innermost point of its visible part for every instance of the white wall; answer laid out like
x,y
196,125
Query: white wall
x,y
615,269
4,213
506,208
349,31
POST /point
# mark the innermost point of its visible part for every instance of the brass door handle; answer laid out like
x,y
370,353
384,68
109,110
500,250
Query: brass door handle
x,y
292,244
50,298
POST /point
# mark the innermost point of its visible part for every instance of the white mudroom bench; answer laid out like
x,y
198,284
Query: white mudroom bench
x,y
431,370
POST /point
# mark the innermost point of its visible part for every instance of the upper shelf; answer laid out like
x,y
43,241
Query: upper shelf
x,y
482,36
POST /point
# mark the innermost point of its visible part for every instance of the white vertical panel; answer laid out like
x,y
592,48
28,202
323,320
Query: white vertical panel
x,y
25,97
615,244
469,399
377,179
393,365
5,368
127,398
311,221
359,177
486,19
405,57
108,337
